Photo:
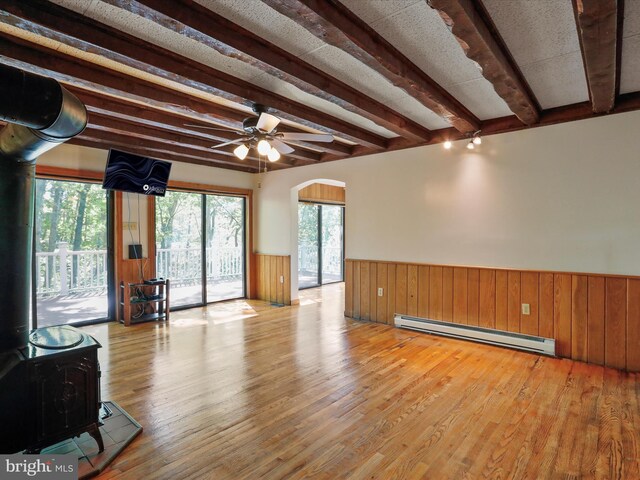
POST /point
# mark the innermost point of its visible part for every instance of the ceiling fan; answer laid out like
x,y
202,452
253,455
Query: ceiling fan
x,y
262,132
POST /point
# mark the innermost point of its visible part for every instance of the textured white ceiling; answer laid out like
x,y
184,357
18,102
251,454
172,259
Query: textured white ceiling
x,y
542,37
419,33
630,69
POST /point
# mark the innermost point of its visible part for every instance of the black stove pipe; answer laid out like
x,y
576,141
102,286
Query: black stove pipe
x,y
41,114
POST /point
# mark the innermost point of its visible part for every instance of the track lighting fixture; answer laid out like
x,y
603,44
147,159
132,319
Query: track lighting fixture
x,y
447,145
470,145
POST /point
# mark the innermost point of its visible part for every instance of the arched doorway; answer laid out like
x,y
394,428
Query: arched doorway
x,y
320,215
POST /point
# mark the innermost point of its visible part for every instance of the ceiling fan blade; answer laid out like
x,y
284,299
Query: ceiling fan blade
x,y
281,146
267,122
307,137
220,129
230,142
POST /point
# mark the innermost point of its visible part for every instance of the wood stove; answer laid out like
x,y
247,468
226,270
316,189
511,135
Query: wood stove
x,y
49,380
54,392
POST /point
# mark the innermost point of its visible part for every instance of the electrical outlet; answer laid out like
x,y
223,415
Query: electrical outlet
x,y
526,309
281,278
380,292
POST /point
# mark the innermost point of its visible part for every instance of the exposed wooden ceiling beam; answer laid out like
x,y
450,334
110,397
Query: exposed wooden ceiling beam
x,y
335,24
99,121
161,155
473,31
75,71
117,107
127,140
215,31
627,102
66,26
87,75
597,24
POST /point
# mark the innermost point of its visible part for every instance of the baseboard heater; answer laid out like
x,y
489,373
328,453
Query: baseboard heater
x,y
531,343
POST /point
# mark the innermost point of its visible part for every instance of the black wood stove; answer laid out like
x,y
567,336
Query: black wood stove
x,y
49,380
52,392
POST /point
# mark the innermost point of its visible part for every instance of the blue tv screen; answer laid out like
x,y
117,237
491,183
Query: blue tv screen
x,y
136,174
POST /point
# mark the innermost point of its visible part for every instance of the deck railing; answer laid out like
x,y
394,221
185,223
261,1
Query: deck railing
x,y
183,265
64,271
67,272
331,259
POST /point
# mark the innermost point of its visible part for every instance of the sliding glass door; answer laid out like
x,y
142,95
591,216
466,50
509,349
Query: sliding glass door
x,y
308,245
320,244
332,243
200,247
71,261
179,241
225,247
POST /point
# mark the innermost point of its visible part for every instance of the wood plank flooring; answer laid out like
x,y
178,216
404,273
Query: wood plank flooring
x,y
244,390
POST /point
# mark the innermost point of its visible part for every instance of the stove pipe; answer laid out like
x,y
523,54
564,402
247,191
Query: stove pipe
x,y
41,114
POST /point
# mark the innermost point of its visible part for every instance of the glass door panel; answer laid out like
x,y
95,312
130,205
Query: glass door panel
x,y
308,243
179,246
332,243
225,247
71,261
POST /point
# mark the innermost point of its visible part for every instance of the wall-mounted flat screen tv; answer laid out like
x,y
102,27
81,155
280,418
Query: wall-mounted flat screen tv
x,y
136,174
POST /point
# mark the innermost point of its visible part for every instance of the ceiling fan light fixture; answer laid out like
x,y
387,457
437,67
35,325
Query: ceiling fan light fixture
x,y
273,155
263,147
241,151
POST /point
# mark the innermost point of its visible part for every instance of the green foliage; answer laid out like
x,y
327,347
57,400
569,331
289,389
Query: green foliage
x,y
308,224
57,215
179,218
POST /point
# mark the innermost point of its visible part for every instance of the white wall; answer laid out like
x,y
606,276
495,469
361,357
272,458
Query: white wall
x,y
563,197
84,158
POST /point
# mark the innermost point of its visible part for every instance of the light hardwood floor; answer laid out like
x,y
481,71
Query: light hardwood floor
x,y
243,390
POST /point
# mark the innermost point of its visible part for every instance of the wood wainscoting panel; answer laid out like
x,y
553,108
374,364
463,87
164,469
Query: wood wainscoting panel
x,y
423,291
594,318
579,302
473,296
502,300
460,296
348,289
273,275
615,346
633,325
435,293
545,307
562,313
487,294
595,321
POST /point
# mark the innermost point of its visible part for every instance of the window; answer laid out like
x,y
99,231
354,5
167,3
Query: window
x,y
200,246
